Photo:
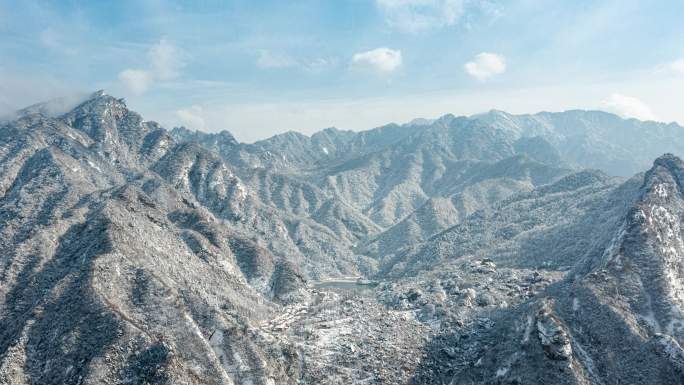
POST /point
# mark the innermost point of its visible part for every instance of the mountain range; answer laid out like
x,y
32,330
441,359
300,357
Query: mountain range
x,y
494,248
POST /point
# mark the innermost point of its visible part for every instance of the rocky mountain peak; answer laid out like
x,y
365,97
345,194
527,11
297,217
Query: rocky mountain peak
x,y
99,101
100,115
644,257
227,137
669,162
215,141
118,134
663,182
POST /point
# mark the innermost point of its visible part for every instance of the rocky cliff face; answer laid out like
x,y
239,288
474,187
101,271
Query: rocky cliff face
x,y
130,254
615,317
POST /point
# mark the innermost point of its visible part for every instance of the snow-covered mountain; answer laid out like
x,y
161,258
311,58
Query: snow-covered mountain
x,y
501,249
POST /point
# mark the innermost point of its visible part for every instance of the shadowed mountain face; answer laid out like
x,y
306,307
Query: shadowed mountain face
x,y
499,248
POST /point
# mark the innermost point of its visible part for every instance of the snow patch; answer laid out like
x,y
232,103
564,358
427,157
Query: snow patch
x,y
93,165
215,183
216,343
575,304
528,329
661,191
610,253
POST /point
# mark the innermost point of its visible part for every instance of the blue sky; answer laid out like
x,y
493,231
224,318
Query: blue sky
x,y
258,68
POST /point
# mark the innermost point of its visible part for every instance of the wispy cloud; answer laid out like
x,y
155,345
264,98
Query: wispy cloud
x,y
677,66
320,64
629,107
383,60
166,60
268,59
485,66
135,81
164,63
420,15
192,117
278,60
17,91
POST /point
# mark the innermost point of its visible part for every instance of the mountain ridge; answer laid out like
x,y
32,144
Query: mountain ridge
x,y
461,250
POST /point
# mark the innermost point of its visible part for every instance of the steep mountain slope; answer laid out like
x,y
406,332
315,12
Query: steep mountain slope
x,y
389,172
478,186
552,227
436,161
223,143
453,158
615,319
318,249
108,274
300,198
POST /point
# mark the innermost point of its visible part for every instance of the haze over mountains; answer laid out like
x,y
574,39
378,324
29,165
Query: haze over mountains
x,y
502,248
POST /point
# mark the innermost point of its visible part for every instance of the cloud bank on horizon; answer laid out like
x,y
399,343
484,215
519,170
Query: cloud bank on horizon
x,y
263,67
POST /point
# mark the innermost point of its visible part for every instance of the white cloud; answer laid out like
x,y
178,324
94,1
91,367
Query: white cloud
x,y
318,65
192,117
165,63
677,66
136,81
19,91
380,59
268,59
486,65
166,60
628,107
420,15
